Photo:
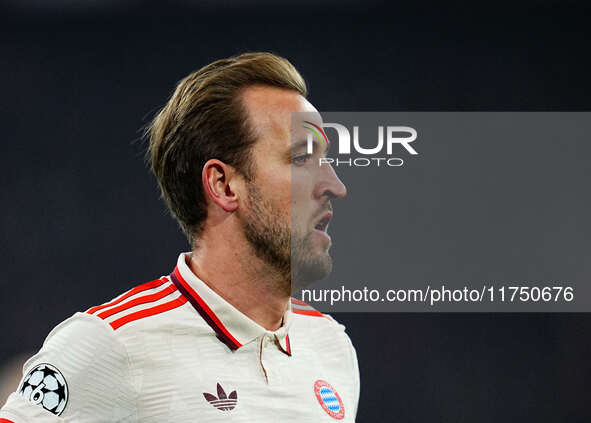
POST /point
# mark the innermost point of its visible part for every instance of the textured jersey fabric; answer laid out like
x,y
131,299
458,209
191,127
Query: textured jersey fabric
x,y
173,350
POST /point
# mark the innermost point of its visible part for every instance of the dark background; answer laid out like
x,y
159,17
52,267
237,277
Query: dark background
x,y
81,219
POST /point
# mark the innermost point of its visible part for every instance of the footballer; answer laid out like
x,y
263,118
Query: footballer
x,y
219,337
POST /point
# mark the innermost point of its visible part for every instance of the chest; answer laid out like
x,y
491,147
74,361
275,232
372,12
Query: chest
x,y
200,380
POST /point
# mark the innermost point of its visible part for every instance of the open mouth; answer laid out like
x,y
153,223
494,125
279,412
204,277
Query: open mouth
x,y
323,223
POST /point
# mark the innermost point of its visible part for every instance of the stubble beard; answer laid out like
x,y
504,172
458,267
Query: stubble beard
x,y
287,252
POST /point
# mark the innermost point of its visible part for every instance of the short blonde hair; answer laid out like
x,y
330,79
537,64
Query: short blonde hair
x,y
205,119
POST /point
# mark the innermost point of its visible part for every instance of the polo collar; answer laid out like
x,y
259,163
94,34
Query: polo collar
x,y
232,327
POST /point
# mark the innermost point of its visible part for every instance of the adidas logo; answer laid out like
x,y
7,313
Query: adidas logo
x,y
222,402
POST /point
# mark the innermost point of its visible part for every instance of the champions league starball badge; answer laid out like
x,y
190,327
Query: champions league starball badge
x,y
44,385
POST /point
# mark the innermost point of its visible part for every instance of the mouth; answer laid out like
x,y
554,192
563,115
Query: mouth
x,y
322,224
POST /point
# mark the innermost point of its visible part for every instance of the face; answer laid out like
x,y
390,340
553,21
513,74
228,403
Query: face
x,y
288,207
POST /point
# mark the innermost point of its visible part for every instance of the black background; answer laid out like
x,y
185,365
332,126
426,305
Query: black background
x,y
81,219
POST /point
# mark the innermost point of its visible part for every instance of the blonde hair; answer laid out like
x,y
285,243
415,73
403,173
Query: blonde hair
x,y
204,119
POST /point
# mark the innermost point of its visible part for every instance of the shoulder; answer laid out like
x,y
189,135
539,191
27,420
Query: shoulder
x,y
82,338
155,298
80,368
304,312
84,370
317,325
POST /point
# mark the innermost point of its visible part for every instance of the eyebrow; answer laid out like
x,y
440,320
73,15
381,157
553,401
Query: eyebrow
x,y
304,143
299,144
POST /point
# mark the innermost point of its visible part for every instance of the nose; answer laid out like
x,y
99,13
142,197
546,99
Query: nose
x,y
329,183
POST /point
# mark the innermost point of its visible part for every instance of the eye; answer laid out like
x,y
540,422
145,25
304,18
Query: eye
x,y
300,160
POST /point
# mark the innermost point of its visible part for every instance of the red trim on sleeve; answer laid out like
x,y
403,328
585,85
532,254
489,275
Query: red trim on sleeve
x,y
137,301
148,312
307,312
298,302
144,287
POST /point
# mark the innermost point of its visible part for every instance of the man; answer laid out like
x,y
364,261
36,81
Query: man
x,y
219,339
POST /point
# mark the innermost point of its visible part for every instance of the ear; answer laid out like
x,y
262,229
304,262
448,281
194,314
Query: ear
x,y
218,180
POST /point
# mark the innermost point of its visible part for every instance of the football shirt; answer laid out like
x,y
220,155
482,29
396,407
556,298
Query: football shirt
x,y
174,350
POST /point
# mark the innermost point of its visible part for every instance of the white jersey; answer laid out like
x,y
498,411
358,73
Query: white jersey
x,y
172,350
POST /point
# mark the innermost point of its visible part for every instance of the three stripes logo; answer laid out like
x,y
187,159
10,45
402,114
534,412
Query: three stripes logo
x,y
222,402
329,399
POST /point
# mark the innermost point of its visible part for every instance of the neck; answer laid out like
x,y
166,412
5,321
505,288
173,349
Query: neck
x,y
230,268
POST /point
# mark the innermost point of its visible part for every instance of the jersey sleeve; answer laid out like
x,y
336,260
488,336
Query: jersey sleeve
x,y
355,373
81,374
354,364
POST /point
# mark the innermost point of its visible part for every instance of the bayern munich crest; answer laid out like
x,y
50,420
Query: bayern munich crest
x,y
329,399
45,386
